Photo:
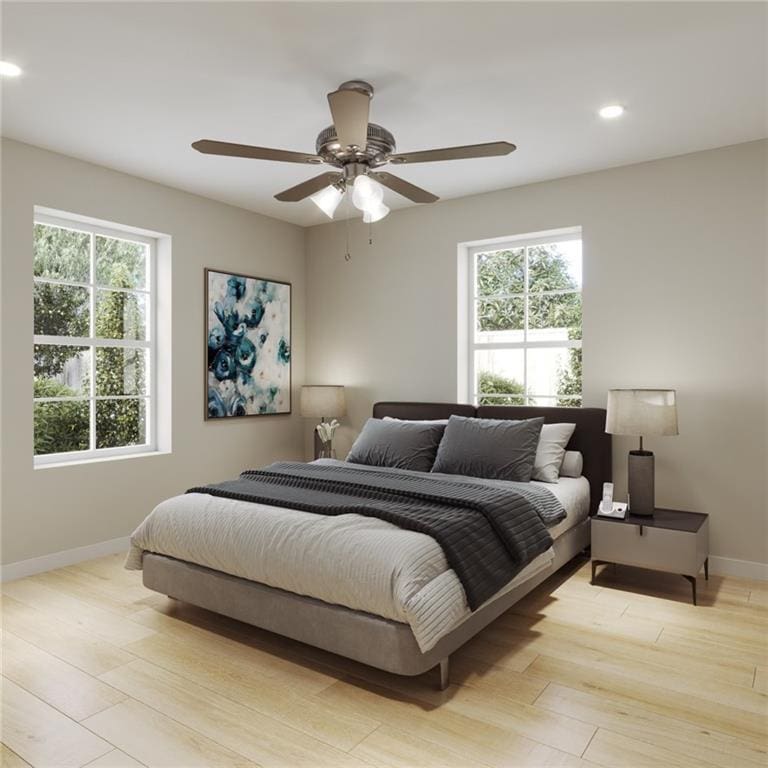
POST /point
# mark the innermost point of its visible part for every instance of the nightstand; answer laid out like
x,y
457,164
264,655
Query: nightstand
x,y
670,540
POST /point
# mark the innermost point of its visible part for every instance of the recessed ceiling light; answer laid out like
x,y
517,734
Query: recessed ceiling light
x,y
611,111
9,70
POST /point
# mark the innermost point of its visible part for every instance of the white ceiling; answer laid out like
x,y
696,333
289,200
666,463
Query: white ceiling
x,y
131,85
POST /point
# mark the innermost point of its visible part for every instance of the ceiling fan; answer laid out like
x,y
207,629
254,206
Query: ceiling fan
x,y
357,149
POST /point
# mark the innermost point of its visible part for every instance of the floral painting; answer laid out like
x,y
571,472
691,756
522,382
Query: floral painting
x,y
248,342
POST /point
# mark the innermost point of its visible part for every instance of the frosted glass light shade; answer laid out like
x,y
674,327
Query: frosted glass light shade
x,y
366,193
327,200
323,401
641,412
375,213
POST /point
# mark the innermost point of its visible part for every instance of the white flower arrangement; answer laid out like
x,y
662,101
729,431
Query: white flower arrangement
x,y
326,429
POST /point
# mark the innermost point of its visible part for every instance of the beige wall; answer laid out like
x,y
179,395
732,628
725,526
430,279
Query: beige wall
x,y
54,509
674,290
674,296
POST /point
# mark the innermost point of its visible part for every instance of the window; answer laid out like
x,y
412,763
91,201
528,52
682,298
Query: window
x,y
94,341
525,321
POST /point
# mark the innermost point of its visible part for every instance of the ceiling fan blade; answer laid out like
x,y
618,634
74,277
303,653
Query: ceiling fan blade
x,y
404,188
350,109
309,187
209,147
492,149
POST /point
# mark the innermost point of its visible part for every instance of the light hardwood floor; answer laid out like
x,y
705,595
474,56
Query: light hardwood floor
x,y
98,671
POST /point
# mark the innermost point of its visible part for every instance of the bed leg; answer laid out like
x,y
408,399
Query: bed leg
x,y
444,682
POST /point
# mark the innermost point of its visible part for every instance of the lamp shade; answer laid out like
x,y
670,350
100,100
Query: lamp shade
x,y
323,400
641,412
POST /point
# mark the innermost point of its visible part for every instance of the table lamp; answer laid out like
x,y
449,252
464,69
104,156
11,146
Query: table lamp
x,y
641,413
323,401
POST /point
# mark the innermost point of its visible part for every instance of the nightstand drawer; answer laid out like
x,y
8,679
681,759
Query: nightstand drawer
x,y
645,546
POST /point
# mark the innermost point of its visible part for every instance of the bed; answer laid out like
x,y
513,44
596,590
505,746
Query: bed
x,y
382,636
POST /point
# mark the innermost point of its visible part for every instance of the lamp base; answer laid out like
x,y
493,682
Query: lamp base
x,y
641,486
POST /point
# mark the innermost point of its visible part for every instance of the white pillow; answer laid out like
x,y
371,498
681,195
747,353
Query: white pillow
x,y
551,451
573,464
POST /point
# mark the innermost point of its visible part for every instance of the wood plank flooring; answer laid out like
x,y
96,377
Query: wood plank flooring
x,y
626,673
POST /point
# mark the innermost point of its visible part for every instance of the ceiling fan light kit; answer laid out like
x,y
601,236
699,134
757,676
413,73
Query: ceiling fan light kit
x,y
356,148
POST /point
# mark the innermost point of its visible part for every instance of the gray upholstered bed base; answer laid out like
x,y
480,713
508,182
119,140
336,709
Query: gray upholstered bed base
x,y
370,639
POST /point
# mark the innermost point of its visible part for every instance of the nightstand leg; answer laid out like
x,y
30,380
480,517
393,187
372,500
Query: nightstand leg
x,y
706,569
595,563
692,579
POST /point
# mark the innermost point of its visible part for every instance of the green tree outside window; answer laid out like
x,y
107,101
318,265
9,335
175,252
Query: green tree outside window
x,y
500,277
63,310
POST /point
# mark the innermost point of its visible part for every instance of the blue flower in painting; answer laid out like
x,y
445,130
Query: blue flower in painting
x,y
216,337
224,365
245,355
255,311
266,291
238,333
283,351
230,319
236,287
237,406
215,404
218,310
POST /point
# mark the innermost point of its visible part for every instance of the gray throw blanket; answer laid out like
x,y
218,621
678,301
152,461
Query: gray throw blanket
x,y
488,533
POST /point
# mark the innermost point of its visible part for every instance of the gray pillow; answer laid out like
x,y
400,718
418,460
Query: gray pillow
x,y
499,449
400,444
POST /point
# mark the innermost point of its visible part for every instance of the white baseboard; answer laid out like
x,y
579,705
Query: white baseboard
x,y
22,568
741,569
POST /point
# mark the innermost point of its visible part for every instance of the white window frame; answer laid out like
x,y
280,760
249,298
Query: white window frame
x,y
517,242
80,224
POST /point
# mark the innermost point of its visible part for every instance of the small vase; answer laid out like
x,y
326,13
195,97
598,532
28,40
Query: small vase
x,y
327,451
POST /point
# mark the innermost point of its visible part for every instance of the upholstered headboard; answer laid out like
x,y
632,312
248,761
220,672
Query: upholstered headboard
x,y
589,437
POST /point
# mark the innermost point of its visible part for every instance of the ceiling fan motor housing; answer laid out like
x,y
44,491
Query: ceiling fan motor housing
x,y
379,146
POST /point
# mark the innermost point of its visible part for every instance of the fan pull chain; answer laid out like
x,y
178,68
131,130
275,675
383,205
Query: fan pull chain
x,y
370,233
347,255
